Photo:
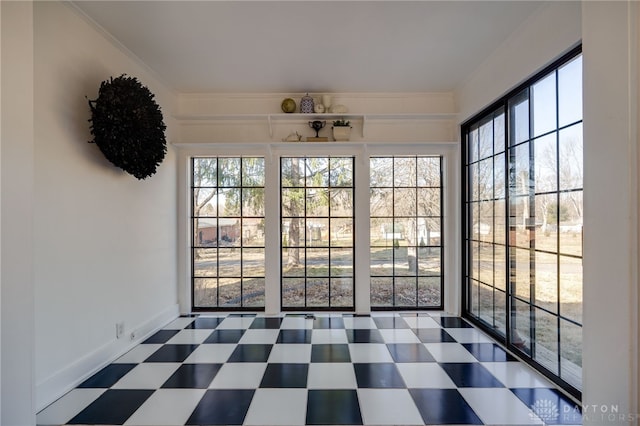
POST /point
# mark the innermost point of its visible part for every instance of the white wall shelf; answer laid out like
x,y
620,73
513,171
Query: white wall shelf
x,y
299,118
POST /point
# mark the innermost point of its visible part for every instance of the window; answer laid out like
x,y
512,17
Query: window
x,y
406,232
317,232
523,216
228,247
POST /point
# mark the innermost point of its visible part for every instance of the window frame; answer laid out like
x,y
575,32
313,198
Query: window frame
x,y
466,236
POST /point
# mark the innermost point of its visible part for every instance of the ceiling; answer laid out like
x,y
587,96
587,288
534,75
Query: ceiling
x,y
314,46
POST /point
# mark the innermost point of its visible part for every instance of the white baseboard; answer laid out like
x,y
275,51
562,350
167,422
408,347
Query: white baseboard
x,y
61,382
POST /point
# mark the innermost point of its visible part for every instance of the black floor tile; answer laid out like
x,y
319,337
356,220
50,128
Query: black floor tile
x,y
294,336
225,336
433,335
161,336
488,352
390,322
113,407
444,406
330,353
452,322
285,376
250,353
333,407
378,375
410,352
328,322
222,407
547,400
470,374
108,376
205,323
266,322
364,336
172,353
194,376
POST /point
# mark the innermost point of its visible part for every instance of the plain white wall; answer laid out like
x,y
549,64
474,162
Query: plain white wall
x,y
17,198
105,242
610,54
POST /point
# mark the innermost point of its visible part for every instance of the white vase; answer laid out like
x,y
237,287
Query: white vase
x,y
341,133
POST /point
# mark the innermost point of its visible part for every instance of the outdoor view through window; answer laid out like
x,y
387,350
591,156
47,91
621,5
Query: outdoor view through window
x,y
524,227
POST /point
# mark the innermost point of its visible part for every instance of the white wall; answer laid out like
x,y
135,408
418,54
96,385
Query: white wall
x,y
610,55
17,198
104,249
554,29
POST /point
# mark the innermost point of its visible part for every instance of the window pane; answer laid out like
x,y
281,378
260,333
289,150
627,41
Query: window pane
x,y
571,157
547,222
519,106
499,177
404,171
570,92
404,241
485,141
316,217
571,223
227,219
571,353
521,326
522,283
499,133
381,172
486,263
486,304
485,179
571,288
429,291
500,267
519,179
547,281
205,172
472,146
229,172
381,291
546,352
546,165
544,105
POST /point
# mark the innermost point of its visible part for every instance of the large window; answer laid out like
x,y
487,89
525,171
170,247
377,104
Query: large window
x,y
317,232
228,248
406,232
523,215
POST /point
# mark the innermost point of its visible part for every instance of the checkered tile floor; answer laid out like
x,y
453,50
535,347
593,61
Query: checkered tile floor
x,y
334,369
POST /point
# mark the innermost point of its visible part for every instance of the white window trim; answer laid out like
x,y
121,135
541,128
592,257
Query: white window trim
x,y
362,153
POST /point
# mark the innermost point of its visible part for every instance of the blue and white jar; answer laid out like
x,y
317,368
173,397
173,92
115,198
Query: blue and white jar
x,y
306,104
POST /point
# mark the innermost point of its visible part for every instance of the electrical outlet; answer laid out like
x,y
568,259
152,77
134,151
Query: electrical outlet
x,y
119,329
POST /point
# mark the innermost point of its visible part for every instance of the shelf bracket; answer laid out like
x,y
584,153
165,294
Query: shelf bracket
x,y
270,126
364,119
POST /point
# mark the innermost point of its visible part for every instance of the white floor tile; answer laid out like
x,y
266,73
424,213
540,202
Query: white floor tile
x,y
239,375
179,323
290,353
235,323
65,408
421,322
296,323
468,335
150,375
167,407
277,407
517,375
512,411
331,375
211,354
259,336
450,352
388,407
369,352
399,335
138,354
191,336
359,322
330,335
425,375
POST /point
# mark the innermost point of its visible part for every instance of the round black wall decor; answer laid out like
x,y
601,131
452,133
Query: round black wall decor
x,y
127,126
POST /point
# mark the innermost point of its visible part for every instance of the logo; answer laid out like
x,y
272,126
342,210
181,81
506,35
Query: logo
x,y
544,409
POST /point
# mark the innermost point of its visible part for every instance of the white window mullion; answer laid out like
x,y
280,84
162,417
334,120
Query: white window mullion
x,y
362,234
272,235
